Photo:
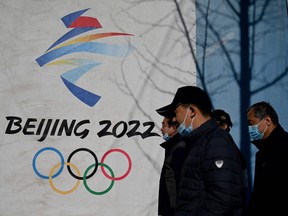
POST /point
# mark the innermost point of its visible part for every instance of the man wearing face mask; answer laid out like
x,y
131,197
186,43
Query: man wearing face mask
x,y
212,180
271,161
173,161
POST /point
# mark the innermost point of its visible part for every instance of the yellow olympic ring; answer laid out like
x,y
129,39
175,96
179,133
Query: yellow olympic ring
x,y
51,174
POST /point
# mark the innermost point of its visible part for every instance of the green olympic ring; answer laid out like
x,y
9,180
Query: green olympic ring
x,y
85,182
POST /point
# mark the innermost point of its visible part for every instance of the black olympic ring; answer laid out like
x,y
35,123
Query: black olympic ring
x,y
94,170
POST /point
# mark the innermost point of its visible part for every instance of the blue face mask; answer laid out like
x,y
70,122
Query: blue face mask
x,y
182,127
254,132
166,137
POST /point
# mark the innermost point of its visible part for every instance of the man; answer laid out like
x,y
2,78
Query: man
x,y
173,161
212,180
223,119
271,161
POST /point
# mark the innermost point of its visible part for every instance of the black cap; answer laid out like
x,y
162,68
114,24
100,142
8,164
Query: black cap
x,y
187,95
222,117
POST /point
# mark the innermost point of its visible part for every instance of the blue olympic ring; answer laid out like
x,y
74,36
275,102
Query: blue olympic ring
x,y
37,154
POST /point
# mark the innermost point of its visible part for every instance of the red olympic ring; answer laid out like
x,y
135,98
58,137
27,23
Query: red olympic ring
x,y
129,164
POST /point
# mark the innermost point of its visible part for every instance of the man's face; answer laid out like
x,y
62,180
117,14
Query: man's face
x,y
262,123
180,113
251,119
166,128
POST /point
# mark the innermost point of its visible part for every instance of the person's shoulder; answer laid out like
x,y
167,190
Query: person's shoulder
x,y
285,132
220,137
218,132
179,141
280,133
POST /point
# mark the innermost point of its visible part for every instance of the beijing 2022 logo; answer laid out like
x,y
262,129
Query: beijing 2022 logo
x,y
58,168
68,44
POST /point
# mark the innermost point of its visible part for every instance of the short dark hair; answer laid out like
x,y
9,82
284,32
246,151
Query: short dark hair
x,y
222,117
171,122
262,109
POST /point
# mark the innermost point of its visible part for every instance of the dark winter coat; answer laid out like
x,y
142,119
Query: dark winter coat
x,y
212,175
170,174
269,196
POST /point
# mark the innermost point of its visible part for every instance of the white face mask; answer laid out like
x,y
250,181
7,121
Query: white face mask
x,y
182,127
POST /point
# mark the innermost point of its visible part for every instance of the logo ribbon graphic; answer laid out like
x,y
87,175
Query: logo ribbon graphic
x,y
81,24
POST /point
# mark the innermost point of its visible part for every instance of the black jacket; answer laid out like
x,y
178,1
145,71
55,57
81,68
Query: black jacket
x,y
269,196
170,174
212,177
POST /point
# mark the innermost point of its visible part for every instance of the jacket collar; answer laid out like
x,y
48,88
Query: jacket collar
x,y
207,126
169,143
267,142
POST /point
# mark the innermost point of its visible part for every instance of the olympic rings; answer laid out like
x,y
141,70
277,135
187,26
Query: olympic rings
x,y
78,176
51,183
96,163
129,164
94,192
37,154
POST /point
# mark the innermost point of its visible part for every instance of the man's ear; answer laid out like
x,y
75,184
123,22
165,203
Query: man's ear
x,y
192,109
268,120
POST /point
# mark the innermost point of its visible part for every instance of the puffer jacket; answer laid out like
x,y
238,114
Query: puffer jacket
x,y
212,180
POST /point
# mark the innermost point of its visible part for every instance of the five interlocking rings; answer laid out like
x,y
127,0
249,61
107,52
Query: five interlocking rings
x,y
78,176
